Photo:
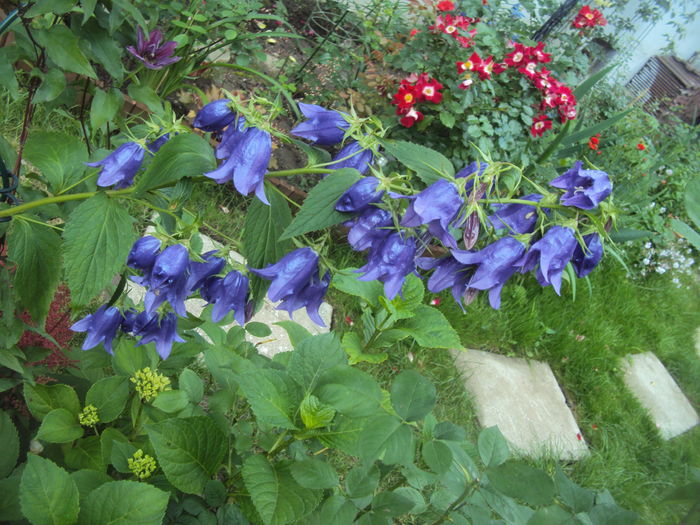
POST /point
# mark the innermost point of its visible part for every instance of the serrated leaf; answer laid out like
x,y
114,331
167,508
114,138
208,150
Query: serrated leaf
x,y
59,426
47,494
430,328
429,165
295,331
192,384
109,396
447,119
63,48
349,390
57,7
387,438
85,453
315,414
346,281
87,480
318,210
124,503
171,401
98,237
353,347
270,397
36,251
42,399
362,481
438,456
493,447
412,395
313,356
103,48
185,155
189,451
314,474
105,105
60,158
52,85
10,444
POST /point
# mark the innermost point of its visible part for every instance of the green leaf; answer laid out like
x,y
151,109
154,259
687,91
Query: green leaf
x,y
552,515
128,358
353,347
315,414
361,481
438,456
629,234
103,48
189,451
124,503
87,480
36,250
429,165
391,504
10,509
349,390
318,210
388,439
52,85
336,510
258,329
612,514
215,493
412,395
88,7
270,396
85,453
313,356
277,497
448,119
56,7
63,48
493,447
430,329
261,237
192,384
346,281
519,480
105,105
107,439
145,94
171,401
109,396
42,399
314,474
60,158
692,201
59,426
592,130
185,155
584,87
295,331
682,229
572,495
10,444
47,493
98,237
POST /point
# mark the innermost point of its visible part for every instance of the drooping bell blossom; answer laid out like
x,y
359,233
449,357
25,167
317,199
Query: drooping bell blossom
x,y
429,89
230,294
472,168
390,262
162,332
156,144
143,254
540,124
215,116
357,157
437,206
290,274
449,273
585,189
518,218
324,127
247,164
411,117
168,280
359,196
310,297
101,327
201,271
585,261
120,166
369,229
550,255
445,5
153,53
495,265
231,138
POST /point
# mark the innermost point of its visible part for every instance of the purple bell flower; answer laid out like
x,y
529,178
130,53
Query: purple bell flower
x,y
360,161
449,273
471,168
151,52
311,297
168,280
584,262
247,164
120,166
359,196
370,228
552,253
324,127
496,264
231,138
436,206
390,262
101,327
143,254
585,189
230,293
518,218
155,145
200,271
163,333
290,274
215,116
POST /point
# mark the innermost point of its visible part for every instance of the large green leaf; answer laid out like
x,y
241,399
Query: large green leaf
x,y
146,95
189,451
56,7
105,105
692,200
412,395
575,497
429,165
52,85
42,399
36,252
185,155
350,391
59,426
60,158
430,328
63,48
47,493
318,210
585,86
519,480
493,447
346,281
387,438
109,396
592,130
98,237
313,356
10,444
277,497
314,473
124,503
270,395
261,237
682,228
437,455
103,48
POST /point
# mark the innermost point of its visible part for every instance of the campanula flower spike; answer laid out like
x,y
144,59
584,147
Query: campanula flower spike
x,y
437,206
201,271
215,116
290,274
163,334
370,228
120,166
585,189
390,262
168,280
324,127
230,293
152,53
311,297
352,155
449,273
360,196
516,217
101,327
585,262
143,254
231,138
550,254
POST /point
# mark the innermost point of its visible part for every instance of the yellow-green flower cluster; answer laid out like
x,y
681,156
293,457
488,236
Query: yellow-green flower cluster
x,y
88,417
149,383
141,465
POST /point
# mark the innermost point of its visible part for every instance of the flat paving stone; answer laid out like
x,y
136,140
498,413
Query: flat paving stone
x,y
657,391
524,400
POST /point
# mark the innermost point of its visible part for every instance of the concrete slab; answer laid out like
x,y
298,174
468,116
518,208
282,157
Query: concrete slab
x,y
524,400
657,391
697,342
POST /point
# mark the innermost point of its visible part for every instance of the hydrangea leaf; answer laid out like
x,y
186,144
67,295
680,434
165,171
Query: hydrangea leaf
x,y
47,494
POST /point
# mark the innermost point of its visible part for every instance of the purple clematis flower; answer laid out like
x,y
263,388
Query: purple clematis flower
x,y
143,254
390,262
229,293
324,127
496,264
163,333
552,253
311,297
436,206
449,273
370,228
153,53
585,189
247,164
360,159
290,274
156,144
584,263
201,271
168,280
215,116
101,327
231,138
518,218
120,166
359,196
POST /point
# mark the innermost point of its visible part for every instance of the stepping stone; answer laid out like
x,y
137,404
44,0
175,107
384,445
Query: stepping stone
x,y
524,400
656,390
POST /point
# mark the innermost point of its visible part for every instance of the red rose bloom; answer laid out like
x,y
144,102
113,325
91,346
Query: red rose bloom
x,y
446,5
411,117
540,124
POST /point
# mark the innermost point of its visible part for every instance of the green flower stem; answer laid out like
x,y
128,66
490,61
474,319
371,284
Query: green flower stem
x,y
523,201
41,223
278,444
297,171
